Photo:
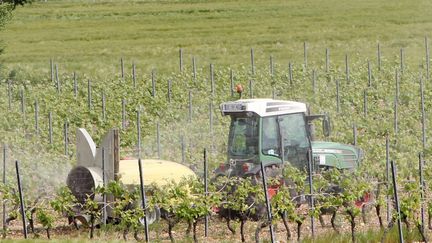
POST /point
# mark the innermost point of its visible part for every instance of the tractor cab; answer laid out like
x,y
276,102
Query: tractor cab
x,y
267,131
274,132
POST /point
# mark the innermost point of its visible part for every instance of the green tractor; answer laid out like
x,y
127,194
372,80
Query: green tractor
x,y
274,132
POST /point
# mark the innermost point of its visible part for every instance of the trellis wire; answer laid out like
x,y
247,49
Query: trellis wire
x,y
394,175
21,198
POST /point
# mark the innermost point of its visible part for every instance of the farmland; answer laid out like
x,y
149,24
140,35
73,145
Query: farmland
x,y
378,92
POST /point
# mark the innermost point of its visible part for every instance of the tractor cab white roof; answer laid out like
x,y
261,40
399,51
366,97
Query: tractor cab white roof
x,y
262,107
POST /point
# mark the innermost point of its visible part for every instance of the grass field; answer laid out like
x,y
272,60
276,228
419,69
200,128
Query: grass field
x,y
86,35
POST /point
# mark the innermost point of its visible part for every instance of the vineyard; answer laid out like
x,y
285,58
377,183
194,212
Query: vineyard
x,y
158,72
380,104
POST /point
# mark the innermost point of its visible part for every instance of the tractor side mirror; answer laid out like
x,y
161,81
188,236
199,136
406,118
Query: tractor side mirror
x,y
326,126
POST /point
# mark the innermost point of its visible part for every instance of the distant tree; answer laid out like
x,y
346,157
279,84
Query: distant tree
x,y
6,8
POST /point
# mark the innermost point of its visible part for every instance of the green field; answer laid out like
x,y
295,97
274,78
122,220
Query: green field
x,y
86,35
91,37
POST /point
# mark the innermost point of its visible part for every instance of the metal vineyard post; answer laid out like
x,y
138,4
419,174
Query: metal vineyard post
x,y
75,84
122,68
427,58
290,73
123,114
305,56
134,74
212,83
103,107
422,187
394,175
252,61
139,132
4,183
143,199
169,90
50,128
311,197
347,69
402,57
250,88
65,135
104,199
369,74
153,80
271,67
57,79
194,68
423,114
268,204
158,142
337,96
181,59
327,60
21,198
232,82
387,143
36,108
206,223
379,56
89,95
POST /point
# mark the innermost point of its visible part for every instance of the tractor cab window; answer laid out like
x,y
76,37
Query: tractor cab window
x,y
295,139
243,140
270,136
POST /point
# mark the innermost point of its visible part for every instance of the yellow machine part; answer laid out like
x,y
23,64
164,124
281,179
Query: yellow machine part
x,y
154,171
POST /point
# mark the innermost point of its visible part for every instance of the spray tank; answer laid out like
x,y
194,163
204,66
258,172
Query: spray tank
x,y
88,175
